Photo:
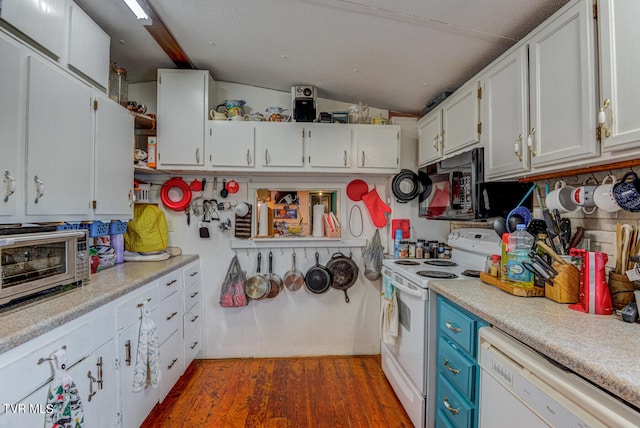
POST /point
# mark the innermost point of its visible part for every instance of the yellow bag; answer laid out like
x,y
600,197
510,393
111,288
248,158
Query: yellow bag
x,y
147,231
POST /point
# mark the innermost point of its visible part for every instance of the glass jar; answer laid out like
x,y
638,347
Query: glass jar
x,y
118,85
412,250
404,249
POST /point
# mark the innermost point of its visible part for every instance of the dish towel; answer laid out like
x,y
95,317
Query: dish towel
x,y
147,368
389,314
64,408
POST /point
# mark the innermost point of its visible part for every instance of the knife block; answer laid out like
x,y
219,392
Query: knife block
x,y
566,285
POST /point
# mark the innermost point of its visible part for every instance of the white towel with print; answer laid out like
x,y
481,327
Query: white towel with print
x,y
147,368
389,314
64,408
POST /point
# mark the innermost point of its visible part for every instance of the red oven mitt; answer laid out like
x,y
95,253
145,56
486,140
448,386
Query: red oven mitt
x,y
377,208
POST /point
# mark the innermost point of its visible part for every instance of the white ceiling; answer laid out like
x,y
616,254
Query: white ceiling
x,y
395,55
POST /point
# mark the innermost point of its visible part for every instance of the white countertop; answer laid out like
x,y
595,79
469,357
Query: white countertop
x,y
601,348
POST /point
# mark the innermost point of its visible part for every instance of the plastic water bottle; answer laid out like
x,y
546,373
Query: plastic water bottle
x,y
396,246
117,242
520,243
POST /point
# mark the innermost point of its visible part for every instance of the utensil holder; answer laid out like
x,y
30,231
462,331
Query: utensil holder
x,y
621,290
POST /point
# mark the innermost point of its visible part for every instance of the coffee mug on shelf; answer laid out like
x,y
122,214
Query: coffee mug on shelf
x,y
583,195
627,193
215,115
603,195
561,198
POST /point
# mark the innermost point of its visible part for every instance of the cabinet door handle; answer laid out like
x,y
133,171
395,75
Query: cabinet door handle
x,y
448,406
602,118
192,274
39,188
451,369
442,138
345,158
363,158
266,156
194,318
127,347
452,328
172,315
517,147
194,345
91,382
248,157
170,283
194,295
198,155
175,360
100,364
10,184
435,143
530,143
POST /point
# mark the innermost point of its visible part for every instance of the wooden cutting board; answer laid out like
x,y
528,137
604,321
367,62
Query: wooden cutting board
x,y
511,289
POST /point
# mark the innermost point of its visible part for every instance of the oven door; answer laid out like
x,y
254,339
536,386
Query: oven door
x,y
36,262
410,347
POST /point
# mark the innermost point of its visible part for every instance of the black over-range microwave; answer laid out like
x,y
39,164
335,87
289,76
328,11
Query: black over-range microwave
x,y
459,192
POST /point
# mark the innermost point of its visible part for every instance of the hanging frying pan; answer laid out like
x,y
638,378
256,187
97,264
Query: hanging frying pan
x,y
344,272
175,194
318,278
405,186
275,282
293,279
425,184
257,287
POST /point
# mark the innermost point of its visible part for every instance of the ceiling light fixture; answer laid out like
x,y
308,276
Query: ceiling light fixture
x,y
137,10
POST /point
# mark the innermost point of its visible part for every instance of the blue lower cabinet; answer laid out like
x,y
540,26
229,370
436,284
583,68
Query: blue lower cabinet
x,y
457,373
457,409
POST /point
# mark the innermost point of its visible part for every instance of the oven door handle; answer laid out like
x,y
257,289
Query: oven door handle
x,y
405,289
5,242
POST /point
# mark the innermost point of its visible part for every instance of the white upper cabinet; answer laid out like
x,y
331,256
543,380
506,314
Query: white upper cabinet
x,y
280,144
619,70
460,119
230,144
43,21
113,131
329,145
88,47
430,137
562,85
11,106
58,141
378,147
184,98
505,115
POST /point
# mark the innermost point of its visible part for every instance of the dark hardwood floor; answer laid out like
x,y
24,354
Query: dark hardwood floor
x,y
281,392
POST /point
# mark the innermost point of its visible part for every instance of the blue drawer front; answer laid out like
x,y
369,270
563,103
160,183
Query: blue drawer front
x,y
457,326
460,370
459,412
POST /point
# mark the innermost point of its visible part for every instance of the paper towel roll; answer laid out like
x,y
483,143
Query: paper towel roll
x,y
263,225
318,220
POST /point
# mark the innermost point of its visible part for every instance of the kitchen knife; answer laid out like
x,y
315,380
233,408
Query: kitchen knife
x,y
557,221
577,237
535,258
551,232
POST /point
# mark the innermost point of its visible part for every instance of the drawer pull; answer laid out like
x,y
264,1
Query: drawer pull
x,y
451,369
192,274
100,364
175,360
448,406
42,360
194,318
452,328
144,303
194,344
170,283
194,294
127,347
172,315
91,382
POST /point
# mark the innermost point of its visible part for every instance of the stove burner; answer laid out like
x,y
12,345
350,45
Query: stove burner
x,y
472,273
440,263
406,262
436,274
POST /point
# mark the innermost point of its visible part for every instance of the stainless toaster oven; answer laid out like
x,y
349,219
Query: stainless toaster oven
x,y
36,261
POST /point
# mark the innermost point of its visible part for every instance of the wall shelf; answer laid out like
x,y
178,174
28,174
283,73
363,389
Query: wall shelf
x,y
259,243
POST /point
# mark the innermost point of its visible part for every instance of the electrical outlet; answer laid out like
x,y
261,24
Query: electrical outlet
x,y
169,224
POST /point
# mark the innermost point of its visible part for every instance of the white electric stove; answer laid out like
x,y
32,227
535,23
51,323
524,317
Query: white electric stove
x,y
405,362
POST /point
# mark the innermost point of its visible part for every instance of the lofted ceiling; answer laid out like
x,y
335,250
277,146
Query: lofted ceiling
x,y
394,55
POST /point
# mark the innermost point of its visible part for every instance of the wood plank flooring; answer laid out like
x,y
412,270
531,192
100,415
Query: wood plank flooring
x,y
281,392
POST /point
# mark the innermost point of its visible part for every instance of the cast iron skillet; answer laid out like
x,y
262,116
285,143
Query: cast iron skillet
x,y
318,278
344,272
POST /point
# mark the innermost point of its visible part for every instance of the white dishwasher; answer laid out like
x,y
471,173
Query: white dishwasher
x,y
519,387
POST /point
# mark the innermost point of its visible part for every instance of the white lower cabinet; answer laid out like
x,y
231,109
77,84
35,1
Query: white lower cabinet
x,y
192,318
171,363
